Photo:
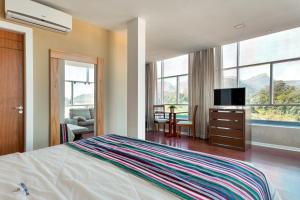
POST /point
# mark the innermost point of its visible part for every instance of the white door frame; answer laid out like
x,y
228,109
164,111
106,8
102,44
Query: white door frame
x,y
28,135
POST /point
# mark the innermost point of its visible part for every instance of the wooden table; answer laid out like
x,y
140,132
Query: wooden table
x,y
172,125
78,131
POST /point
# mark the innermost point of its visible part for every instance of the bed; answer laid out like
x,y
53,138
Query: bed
x,y
116,167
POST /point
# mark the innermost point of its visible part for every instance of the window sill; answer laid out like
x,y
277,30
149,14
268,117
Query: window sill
x,y
275,123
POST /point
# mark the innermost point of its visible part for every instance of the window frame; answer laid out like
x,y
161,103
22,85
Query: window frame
x,y
271,66
162,86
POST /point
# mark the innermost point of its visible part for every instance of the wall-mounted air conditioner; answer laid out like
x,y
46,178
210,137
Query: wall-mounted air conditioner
x,y
36,14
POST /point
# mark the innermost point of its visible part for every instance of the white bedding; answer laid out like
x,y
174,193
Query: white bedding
x,y
63,173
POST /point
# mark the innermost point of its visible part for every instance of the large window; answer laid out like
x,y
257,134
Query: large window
x,y
269,68
79,86
172,83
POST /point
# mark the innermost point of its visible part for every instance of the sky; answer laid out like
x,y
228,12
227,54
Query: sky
x,y
287,71
175,66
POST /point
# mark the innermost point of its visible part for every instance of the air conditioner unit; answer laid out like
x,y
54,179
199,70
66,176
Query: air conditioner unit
x,y
36,14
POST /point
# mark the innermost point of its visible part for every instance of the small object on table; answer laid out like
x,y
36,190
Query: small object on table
x,y
172,108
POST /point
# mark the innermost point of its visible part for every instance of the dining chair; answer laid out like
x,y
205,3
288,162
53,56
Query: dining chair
x,y
159,116
189,124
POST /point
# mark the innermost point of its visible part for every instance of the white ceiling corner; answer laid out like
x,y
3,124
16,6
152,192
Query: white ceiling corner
x,y
176,27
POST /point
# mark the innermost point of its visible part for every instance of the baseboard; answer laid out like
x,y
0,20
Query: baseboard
x,y
275,146
162,130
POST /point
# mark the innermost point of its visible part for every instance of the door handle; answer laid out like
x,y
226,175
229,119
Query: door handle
x,y
20,109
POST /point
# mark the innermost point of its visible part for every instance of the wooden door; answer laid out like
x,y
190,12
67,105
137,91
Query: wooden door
x,y
11,92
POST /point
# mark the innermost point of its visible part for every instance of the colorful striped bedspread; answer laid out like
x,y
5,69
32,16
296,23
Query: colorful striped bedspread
x,y
187,174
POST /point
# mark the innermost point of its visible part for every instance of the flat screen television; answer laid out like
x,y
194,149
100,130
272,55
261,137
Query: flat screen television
x,y
229,97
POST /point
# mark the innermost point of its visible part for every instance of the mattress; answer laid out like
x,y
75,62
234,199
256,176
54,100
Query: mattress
x,y
60,172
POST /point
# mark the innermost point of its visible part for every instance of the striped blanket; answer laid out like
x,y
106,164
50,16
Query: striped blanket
x,y
188,174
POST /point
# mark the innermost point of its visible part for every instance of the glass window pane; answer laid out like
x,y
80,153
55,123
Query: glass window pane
x,y
83,94
91,74
158,69
67,111
181,110
184,109
230,78
272,47
73,73
229,55
176,66
158,92
170,87
68,93
256,80
276,113
286,80
183,90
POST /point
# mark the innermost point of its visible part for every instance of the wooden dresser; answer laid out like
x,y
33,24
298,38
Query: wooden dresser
x,y
230,128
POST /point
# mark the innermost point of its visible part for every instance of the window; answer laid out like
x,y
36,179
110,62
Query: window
x,y
268,67
256,80
68,93
159,69
273,47
73,73
172,83
79,86
83,93
176,66
183,90
158,91
229,58
170,90
286,81
230,78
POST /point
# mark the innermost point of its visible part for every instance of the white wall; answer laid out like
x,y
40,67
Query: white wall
x,y
116,85
136,50
276,136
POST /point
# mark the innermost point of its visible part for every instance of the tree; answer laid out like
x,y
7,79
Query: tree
x,y
283,94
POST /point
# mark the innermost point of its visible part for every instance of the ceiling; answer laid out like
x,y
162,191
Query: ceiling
x,y
176,27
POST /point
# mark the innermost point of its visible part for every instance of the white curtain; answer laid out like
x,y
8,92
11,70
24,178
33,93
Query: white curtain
x,y
150,94
205,75
218,71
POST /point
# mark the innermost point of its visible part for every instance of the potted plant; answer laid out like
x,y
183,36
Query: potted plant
x,y
172,108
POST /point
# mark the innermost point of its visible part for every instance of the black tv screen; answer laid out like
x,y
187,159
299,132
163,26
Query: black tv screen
x,y
229,97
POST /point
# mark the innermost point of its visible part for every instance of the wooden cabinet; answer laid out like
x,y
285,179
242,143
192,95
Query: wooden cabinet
x,y
230,128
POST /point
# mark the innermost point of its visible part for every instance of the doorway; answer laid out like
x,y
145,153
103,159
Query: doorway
x,y
78,98
85,75
12,92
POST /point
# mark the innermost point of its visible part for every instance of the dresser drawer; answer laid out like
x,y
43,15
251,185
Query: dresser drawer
x,y
227,124
227,142
233,133
227,115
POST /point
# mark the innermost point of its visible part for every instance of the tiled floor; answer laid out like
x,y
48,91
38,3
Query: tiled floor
x,y
282,167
